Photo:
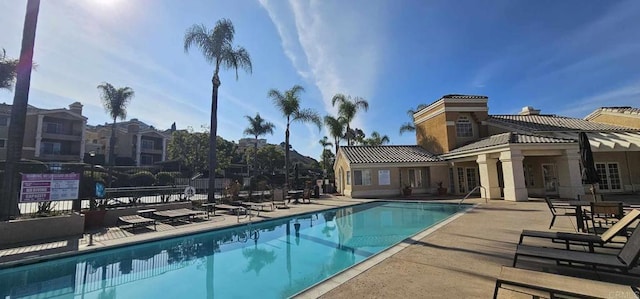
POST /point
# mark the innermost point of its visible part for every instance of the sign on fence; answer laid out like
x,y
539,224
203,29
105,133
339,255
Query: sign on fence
x,y
49,186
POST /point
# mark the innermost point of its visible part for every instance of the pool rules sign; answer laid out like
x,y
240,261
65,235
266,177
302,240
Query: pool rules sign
x,y
49,186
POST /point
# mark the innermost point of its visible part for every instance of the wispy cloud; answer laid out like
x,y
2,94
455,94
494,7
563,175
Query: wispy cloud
x,y
625,95
337,49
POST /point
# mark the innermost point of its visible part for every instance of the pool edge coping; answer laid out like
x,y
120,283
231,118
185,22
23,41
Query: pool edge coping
x,y
330,283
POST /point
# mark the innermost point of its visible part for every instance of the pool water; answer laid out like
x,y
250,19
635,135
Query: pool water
x,y
271,259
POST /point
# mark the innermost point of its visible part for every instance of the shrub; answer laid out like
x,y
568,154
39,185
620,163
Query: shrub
x,y
164,178
143,178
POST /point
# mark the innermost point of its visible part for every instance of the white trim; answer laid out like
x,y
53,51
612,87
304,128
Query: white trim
x,y
62,110
39,135
421,119
450,123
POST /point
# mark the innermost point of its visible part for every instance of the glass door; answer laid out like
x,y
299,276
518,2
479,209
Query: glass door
x,y
550,178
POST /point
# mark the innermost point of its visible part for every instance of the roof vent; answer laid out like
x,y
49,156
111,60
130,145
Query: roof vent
x,y
528,110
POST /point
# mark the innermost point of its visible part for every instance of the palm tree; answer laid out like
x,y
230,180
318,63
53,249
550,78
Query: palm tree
x,y
348,107
376,139
7,71
325,142
115,102
408,126
257,127
217,48
336,129
289,105
15,140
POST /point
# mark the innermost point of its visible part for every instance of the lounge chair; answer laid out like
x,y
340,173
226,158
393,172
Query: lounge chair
x,y
581,239
559,210
623,261
176,214
306,195
137,220
606,213
554,284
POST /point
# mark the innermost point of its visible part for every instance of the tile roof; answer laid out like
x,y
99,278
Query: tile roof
x,y
510,138
626,110
550,123
463,96
388,154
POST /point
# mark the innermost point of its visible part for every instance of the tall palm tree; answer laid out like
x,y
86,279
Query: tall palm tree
x,y
325,143
348,107
218,49
8,202
115,101
336,129
7,71
257,127
408,126
289,105
376,139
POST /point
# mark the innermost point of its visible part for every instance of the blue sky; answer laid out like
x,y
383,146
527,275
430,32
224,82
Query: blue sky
x,y
564,57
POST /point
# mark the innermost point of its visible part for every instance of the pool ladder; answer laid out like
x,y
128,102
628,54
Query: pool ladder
x,y
471,192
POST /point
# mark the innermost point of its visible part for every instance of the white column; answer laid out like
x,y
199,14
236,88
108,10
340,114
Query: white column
x,y
513,174
138,149
82,141
569,176
164,149
488,176
39,135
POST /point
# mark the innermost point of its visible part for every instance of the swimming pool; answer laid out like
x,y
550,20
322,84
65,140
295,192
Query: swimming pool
x,y
272,259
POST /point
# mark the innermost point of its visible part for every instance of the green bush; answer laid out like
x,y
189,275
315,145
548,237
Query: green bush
x,y
164,178
142,178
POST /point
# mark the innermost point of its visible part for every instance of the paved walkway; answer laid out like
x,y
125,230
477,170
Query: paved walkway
x,y
462,259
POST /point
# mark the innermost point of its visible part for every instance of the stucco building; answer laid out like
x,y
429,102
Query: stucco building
x,y
513,157
55,135
137,143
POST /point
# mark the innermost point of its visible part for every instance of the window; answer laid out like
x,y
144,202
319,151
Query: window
x,y
462,187
3,143
415,178
609,174
362,177
384,177
146,159
4,120
51,148
147,144
464,127
472,179
53,128
528,176
348,177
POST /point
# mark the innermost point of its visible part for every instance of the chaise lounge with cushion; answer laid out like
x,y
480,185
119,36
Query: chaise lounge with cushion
x,y
136,221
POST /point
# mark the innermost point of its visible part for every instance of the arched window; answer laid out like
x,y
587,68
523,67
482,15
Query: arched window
x,y
464,128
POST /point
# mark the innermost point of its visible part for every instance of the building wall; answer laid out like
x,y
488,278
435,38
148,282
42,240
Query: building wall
x,y
619,119
437,133
376,190
4,133
629,165
340,168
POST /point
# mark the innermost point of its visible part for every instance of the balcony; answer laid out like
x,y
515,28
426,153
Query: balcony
x,y
156,151
62,156
66,136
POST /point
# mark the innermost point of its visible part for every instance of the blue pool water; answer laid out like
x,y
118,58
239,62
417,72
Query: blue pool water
x,y
272,259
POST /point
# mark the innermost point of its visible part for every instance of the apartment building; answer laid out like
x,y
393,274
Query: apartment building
x,y
50,134
137,143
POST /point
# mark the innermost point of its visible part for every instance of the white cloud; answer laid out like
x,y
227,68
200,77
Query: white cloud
x,y
332,44
624,95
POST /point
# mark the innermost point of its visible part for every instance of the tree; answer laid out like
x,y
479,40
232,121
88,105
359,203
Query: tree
x,y
258,127
347,109
192,149
336,129
217,48
7,71
325,143
408,126
376,139
8,200
270,158
328,158
289,105
356,135
115,101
